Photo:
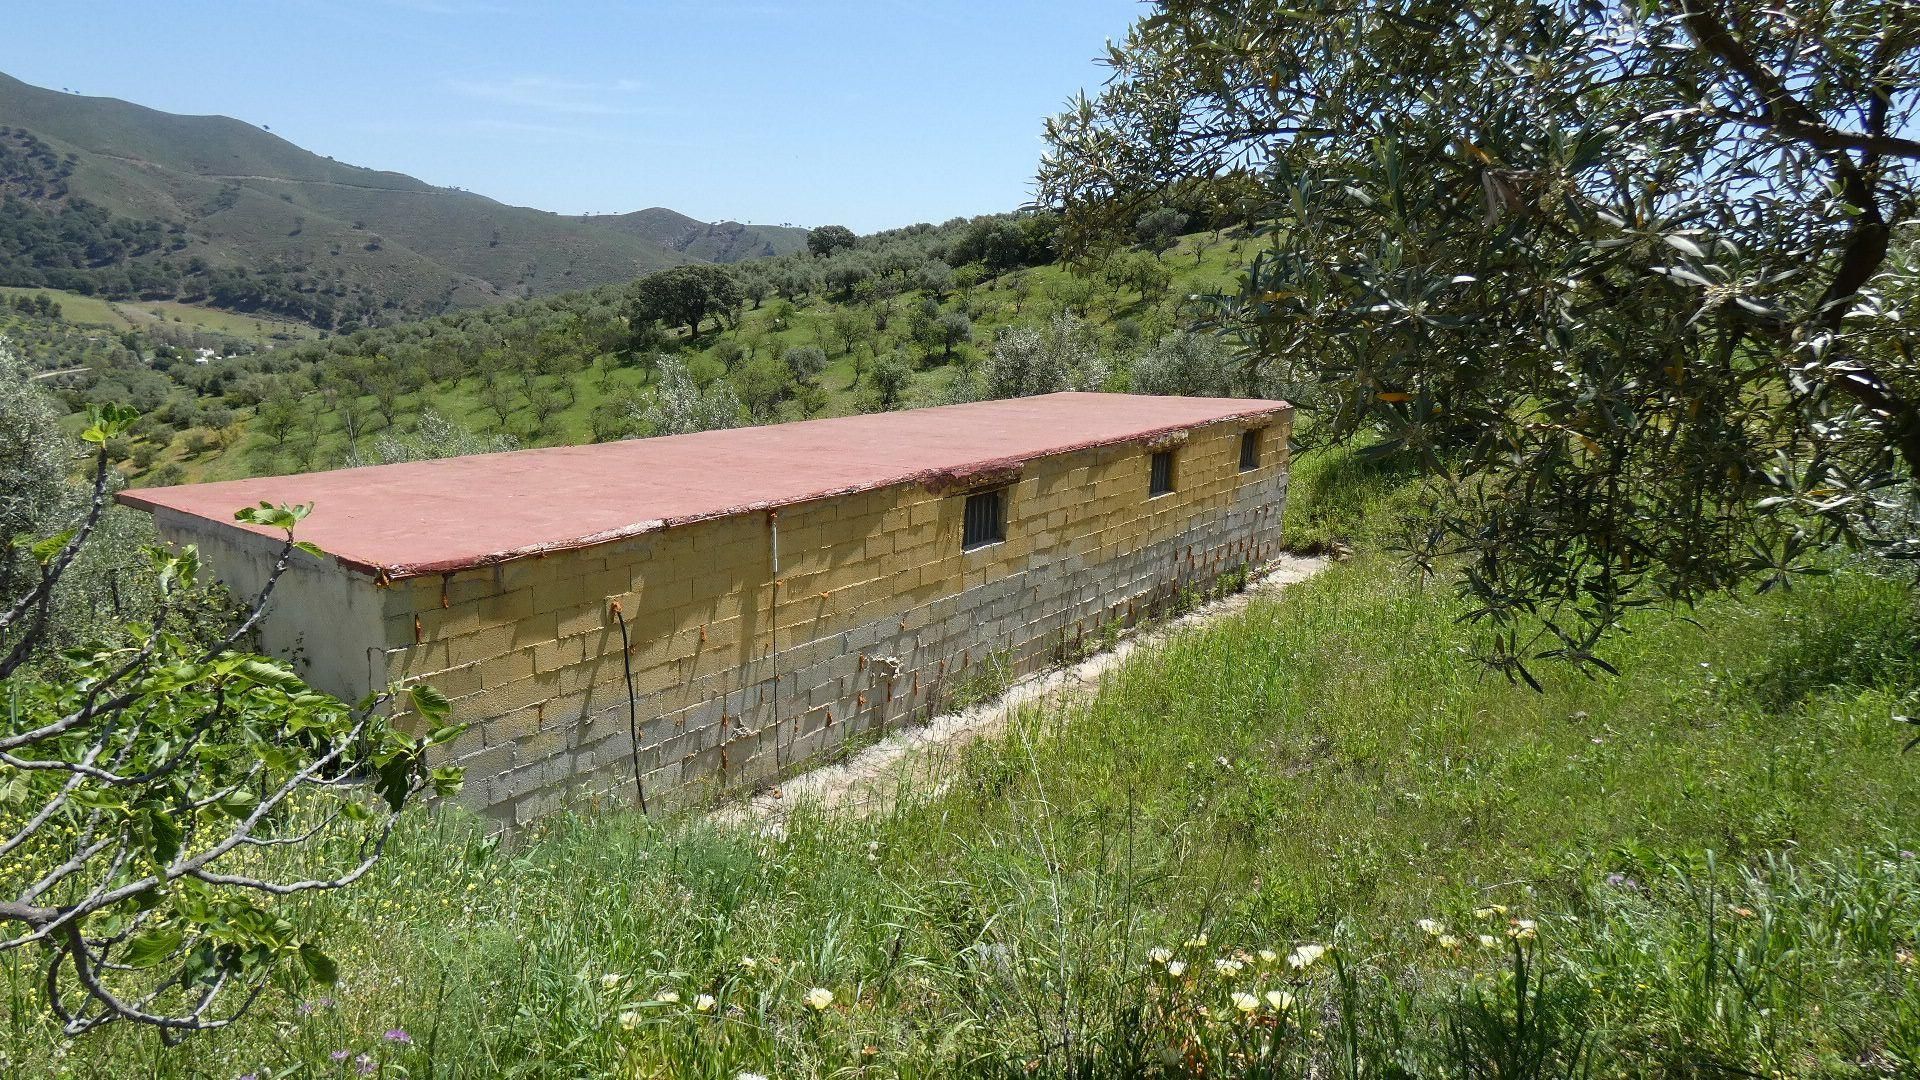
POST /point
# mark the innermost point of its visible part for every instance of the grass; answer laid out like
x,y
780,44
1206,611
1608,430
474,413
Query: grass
x,y
1711,853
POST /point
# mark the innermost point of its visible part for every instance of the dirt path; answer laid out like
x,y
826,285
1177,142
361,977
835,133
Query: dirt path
x,y
916,762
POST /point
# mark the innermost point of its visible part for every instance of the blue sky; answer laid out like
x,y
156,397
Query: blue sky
x,y
869,114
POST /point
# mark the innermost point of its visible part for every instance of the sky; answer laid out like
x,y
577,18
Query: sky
x,y
868,114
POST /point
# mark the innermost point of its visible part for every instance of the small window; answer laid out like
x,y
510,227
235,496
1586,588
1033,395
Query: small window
x,y
1250,449
1160,479
986,519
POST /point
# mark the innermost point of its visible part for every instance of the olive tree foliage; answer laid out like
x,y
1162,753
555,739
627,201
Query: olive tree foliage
x,y
161,800
1027,361
1630,277
434,435
1185,363
681,405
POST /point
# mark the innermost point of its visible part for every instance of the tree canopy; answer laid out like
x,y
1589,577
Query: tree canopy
x,y
1628,277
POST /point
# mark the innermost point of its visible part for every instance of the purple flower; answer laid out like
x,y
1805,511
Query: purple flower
x,y
398,1035
340,1055
1906,854
364,1065
308,1008
1622,881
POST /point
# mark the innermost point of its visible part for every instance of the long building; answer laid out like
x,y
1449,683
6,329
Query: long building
x,y
778,589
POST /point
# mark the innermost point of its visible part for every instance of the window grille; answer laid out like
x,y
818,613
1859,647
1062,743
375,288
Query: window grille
x,y
985,519
1160,478
1250,449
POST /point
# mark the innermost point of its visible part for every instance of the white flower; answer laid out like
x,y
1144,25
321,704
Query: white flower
x,y
1198,941
1244,1001
1159,954
1176,968
1305,956
750,1076
1491,911
703,1003
1448,941
1431,926
748,963
611,981
1488,941
819,998
671,997
1280,1000
630,1020
1522,930
1226,967
1268,956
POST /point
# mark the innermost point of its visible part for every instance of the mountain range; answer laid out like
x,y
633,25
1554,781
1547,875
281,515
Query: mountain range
x,y
221,211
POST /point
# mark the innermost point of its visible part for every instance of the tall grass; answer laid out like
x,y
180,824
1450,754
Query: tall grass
x,y
1699,868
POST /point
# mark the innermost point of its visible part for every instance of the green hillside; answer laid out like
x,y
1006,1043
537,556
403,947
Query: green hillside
x,y
186,198
887,324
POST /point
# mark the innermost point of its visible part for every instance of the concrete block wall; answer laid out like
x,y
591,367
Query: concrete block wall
x,y
877,617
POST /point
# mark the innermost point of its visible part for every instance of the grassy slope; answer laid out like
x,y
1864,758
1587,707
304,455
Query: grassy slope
x,y
1711,846
1200,263
426,247
144,314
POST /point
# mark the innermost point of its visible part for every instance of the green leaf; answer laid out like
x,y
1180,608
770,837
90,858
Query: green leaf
x,y
167,835
1681,243
273,675
45,551
431,704
152,947
394,781
319,965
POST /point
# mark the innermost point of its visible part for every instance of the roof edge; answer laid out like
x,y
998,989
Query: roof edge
x,y
942,479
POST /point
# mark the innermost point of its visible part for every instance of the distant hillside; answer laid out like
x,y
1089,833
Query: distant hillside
x,y
101,195
719,241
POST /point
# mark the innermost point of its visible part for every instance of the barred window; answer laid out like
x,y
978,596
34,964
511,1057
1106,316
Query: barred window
x,y
986,519
1160,478
1250,449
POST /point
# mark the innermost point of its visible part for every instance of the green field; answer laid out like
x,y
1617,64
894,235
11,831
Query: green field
x,y
147,314
1700,868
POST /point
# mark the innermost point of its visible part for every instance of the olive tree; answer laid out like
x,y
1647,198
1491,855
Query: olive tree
x,y
161,798
1629,277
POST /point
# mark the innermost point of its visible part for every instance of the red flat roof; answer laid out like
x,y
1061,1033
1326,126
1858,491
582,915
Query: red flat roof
x,y
429,517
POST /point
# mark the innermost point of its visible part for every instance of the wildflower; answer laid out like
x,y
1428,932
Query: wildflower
x,y
748,963
1488,941
1268,956
1448,941
398,1035
1159,954
364,1065
1522,930
819,998
1431,926
341,1055
630,1019
671,997
1621,881
1491,911
611,981
1303,957
1176,968
1227,968
750,1076
1197,941
1743,912
703,1003
1279,1000
1244,1001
